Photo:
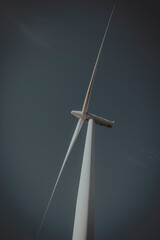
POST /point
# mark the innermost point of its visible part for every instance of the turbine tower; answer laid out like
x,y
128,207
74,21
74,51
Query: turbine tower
x,y
84,214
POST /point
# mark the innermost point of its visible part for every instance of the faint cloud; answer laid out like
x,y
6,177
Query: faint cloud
x,y
145,157
41,30
34,32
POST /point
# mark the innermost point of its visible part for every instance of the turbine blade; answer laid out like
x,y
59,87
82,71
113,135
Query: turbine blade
x,y
88,94
74,137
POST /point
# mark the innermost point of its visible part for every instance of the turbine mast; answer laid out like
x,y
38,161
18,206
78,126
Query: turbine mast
x,y
84,215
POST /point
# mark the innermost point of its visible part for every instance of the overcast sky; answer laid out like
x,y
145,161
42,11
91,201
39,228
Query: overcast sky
x,y
48,50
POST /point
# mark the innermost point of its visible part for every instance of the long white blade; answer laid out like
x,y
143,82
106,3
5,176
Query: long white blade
x,y
87,98
75,135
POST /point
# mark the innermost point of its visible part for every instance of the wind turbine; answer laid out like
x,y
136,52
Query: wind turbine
x,y
84,214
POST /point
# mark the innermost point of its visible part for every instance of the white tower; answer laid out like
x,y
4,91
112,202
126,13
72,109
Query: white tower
x,y
84,214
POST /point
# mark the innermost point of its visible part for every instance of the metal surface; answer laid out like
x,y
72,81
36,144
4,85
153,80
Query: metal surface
x,y
84,214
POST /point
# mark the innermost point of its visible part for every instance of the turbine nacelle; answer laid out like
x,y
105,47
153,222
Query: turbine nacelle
x,y
98,120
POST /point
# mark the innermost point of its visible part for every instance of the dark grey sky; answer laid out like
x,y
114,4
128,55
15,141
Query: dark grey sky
x,y
48,50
